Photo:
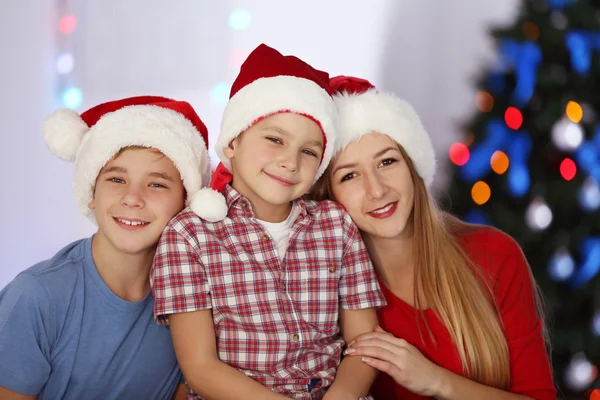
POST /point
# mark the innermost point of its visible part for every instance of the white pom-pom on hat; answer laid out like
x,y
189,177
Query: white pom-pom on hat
x,y
63,133
209,204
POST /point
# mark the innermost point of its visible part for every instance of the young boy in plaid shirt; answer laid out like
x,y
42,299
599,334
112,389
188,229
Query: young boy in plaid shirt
x,y
257,283
80,325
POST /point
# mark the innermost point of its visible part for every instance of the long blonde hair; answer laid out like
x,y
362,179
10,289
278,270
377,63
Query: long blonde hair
x,y
448,282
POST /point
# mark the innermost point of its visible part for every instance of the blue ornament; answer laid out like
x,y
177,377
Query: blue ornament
x,y
590,265
559,4
525,58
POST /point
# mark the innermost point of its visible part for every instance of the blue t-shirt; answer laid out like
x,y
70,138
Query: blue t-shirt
x,y
65,335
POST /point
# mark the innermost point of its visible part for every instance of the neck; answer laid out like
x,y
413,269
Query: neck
x,y
126,275
394,263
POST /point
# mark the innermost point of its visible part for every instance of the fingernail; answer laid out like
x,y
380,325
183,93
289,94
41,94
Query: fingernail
x,y
349,351
366,360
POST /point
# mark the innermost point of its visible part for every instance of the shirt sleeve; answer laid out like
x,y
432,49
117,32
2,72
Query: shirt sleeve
x,y
358,284
179,283
530,370
26,326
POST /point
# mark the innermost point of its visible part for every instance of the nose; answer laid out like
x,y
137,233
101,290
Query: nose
x,y
133,198
374,186
289,160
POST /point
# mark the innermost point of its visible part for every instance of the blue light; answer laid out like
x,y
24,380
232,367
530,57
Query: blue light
x,y
219,94
239,19
477,216
596,324
72,98
589,195
561,266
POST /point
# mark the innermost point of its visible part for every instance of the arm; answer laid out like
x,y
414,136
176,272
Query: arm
x,y
354,378
27,324
531,376
409,368
194,341
359,294
7,394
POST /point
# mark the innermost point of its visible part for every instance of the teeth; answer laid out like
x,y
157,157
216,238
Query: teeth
x,y
132,223
382,210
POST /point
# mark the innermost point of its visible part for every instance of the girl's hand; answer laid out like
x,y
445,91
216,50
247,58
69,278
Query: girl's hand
x,y
400,360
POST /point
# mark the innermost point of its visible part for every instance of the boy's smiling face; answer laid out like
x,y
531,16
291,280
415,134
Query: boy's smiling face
x,y
135,196
275,161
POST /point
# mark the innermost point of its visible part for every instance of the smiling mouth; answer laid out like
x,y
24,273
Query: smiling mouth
x,y
282,181
384,211
130,223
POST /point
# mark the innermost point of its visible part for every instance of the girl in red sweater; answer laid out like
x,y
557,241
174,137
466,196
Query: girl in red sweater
x,y
463,317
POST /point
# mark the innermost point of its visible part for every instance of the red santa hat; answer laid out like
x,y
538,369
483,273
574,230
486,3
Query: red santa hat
x,y
268,83
363,109
94,137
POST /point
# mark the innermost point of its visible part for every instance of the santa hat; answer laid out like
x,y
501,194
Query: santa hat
x,y
269,83
94,137
363,109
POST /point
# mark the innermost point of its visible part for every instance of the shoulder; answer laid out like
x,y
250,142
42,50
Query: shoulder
x,y
56,276
327,210
491,249
489,239
187,223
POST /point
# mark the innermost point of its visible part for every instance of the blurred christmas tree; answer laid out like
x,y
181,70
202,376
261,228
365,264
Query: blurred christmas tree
x,y
530,165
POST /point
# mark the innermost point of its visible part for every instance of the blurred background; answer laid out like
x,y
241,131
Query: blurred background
x,y
507,89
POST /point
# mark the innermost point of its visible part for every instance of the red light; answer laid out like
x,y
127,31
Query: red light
x,y
459,154
513,118
568,169
67,24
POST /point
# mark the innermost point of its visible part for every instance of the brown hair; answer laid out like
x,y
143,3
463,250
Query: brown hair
x,y
447,281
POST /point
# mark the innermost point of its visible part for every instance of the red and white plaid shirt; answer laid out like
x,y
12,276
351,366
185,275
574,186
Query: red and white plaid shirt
x,y
276,321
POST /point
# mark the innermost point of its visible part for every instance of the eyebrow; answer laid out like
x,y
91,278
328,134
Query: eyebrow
x,y
153,174
283,132
162,176
115,169
353,165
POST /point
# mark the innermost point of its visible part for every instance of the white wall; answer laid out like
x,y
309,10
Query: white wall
x,y
427,51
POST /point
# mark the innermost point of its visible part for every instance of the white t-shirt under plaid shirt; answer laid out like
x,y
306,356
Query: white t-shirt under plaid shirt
x,y
276,320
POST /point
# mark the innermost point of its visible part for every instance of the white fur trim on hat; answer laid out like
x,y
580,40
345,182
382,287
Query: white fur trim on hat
x,y
379,112
63,133
147,126
209,204
266,96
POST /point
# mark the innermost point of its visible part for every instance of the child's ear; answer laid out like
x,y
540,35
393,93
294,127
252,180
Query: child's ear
x,y
229,151
92,203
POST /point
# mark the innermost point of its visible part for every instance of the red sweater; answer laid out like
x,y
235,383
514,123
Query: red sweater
x,y
500,255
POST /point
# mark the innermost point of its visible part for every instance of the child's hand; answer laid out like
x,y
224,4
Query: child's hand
x,y
399,359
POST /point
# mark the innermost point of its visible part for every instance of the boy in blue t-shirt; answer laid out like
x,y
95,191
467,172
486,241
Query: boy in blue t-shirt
x,y
80,325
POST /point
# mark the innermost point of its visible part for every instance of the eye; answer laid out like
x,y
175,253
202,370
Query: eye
x,y
388,161
274,139
347,177
158,185
310,153
116,180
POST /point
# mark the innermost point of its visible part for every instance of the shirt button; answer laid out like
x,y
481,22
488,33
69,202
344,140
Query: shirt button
x,y
332,269
244,205
283,286
295,338
265,237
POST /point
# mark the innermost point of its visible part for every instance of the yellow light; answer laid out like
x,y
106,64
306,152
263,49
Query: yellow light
x,y
481,192
574,112
499,162
484,101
